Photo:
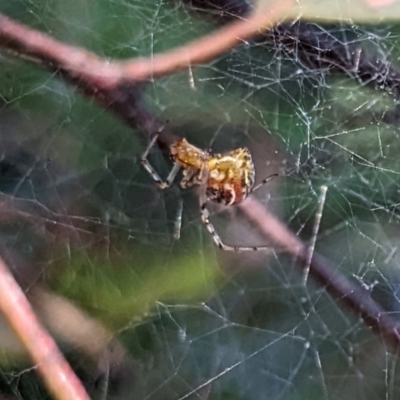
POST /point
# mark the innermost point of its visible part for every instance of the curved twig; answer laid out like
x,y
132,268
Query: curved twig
x,y
48,359
355,297
82,64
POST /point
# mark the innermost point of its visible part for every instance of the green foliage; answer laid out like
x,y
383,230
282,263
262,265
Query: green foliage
x,y
128,287
188,315
326,11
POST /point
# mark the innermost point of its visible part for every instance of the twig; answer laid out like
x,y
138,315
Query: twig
x,y
104,74
318,217
51,364
355,297
113,84
209,46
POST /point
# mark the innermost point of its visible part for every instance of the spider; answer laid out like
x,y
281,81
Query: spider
x,y
228,178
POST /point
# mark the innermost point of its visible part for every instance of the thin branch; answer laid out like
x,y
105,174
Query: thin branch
x,y
209,46
113,84
355,297
82,64
51,364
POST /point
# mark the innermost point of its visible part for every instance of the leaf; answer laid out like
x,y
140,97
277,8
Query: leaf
x,y
340,10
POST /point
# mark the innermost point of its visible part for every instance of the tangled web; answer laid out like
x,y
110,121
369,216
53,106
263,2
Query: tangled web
x,y
315,103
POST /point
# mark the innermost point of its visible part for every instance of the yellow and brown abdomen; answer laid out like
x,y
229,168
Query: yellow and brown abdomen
x,y
230,176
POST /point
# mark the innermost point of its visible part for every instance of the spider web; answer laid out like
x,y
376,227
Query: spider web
x,y
185,320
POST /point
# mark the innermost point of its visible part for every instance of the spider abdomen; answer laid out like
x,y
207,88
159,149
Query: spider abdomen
x,y
230,176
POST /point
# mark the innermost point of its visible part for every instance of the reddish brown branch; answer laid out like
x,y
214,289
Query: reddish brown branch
x,y
51,364
113,84
209,46
104,74
355,297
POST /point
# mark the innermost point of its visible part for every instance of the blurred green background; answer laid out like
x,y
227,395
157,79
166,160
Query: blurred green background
x,y
178,319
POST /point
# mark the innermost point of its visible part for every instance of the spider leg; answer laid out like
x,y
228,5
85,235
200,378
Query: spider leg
x,y
191,177
188,177
217,240
153,173
263,182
